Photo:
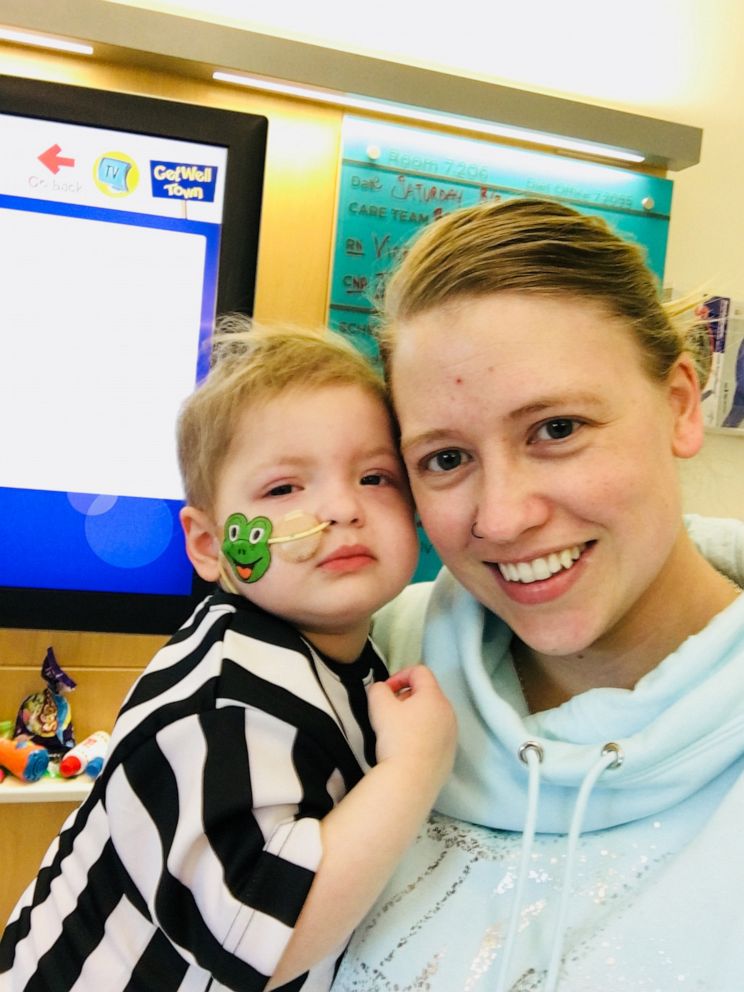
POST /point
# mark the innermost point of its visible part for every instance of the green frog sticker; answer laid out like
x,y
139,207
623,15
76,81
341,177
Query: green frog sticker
x,y
246,546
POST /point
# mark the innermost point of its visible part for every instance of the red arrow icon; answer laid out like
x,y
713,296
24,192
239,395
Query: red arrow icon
x,y
52,159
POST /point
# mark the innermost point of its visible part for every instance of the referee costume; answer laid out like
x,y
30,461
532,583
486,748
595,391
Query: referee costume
x,y
188,865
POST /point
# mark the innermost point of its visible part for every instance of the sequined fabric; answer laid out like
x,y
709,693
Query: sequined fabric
x,y
440,924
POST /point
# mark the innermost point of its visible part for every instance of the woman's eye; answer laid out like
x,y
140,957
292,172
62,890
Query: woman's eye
x,y
557,430
446,460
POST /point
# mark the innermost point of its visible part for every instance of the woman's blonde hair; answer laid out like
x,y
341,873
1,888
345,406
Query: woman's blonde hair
x,y
251,364
541,246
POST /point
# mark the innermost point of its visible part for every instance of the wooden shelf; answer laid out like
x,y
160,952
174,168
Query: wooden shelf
x,y
46,790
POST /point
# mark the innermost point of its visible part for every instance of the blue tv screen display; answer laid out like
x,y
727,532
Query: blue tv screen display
x,y
118,246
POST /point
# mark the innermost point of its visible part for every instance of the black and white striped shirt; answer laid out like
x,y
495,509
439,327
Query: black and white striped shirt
x,y
189,863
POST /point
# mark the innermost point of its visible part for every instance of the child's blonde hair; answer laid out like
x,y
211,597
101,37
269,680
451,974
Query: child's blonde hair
x,y
251,364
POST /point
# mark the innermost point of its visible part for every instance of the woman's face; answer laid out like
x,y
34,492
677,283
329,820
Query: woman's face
x,y
531,422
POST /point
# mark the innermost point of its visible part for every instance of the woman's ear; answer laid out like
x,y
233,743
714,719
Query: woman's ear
x,y
202,544
683,390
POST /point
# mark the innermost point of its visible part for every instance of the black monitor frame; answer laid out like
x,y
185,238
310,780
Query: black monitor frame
x,y
243,135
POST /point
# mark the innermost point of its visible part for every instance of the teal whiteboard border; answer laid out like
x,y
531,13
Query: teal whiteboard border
x,y
395,179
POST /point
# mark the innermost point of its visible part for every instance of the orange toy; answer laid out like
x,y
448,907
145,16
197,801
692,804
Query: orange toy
x,y
24,759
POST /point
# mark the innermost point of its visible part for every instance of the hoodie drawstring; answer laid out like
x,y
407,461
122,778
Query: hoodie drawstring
x,y
531,753
611,757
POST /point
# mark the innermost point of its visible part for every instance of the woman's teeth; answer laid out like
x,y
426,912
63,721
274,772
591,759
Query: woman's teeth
x,y
541,568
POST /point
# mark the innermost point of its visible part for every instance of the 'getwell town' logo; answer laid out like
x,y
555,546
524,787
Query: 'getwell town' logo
x,y
116,174
181,181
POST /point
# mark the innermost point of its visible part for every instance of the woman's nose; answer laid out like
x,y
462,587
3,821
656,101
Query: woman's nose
x,y
509,503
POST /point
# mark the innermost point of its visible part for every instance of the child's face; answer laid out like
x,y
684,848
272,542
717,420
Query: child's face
x,y
329,453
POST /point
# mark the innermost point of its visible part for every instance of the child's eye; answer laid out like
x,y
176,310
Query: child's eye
x,y
557,429
446,460
375,479
283,490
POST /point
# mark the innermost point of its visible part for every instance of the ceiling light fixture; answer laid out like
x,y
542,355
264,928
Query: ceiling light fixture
x,y
45,41
427,116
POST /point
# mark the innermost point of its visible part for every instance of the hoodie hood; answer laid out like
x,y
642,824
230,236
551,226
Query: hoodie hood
x,y
677,730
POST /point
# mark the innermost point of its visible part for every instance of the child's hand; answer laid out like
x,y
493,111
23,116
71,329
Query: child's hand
x,y
414,722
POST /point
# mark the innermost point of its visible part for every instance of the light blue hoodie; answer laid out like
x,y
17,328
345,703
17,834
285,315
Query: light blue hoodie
x,y
646,891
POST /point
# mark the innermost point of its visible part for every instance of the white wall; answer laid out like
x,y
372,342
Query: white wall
x,y
680,60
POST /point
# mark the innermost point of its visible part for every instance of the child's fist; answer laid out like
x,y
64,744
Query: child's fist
x,y
414,721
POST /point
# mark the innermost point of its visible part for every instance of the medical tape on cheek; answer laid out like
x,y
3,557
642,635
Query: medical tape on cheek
x,y
297,536
246,544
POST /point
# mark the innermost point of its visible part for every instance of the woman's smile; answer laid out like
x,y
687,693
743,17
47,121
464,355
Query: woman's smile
x,y
541,567
543,579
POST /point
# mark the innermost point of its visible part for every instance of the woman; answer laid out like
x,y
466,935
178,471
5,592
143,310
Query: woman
x,y
590,837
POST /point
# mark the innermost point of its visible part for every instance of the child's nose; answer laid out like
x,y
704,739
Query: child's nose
x,y
344,507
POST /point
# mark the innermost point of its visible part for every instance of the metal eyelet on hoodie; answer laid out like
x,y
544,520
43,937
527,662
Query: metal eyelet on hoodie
x,y
612,748
528,746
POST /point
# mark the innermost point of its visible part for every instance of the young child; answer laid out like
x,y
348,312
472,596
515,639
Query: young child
x,y
263,778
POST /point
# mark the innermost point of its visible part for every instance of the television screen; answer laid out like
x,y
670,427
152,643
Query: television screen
x,y
126,224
